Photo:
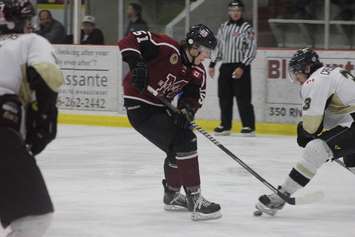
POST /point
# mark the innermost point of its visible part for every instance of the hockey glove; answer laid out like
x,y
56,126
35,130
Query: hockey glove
x,y
10,112
184,117
41,128
140,76
303,137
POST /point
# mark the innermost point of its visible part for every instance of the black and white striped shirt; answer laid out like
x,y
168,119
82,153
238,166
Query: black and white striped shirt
x,y
236,43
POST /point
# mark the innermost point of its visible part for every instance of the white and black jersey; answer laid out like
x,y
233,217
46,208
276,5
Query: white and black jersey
x,y
236,43
29,82
329,99
18,51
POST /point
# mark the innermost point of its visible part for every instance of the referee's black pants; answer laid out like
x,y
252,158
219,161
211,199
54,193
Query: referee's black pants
x,y
228,88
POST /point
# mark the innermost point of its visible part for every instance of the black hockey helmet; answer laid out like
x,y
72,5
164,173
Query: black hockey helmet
x,y
305,61
201,35
236,3
13,15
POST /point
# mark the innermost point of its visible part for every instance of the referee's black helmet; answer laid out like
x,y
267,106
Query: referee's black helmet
x,y
236,3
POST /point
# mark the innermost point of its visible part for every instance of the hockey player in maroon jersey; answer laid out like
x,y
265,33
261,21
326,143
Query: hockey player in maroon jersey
x,y
171,69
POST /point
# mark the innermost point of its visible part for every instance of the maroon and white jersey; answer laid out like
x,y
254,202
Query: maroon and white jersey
x,y
167,73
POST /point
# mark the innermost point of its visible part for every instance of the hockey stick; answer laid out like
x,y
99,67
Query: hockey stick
x,y
311,197
342,164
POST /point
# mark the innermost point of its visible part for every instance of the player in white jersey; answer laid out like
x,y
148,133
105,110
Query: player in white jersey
x,y
29,82
327,130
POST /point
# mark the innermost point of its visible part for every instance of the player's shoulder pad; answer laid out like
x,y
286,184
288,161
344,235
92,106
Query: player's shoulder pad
x,y
317,79
165,41
161,38
324,73
142,36
37,38
337,70
40,44
31,38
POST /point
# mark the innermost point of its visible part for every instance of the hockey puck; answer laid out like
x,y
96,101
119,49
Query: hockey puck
x,y
258,213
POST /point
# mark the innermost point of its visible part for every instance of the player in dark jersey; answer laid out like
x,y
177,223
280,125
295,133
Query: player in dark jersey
x,y
171,69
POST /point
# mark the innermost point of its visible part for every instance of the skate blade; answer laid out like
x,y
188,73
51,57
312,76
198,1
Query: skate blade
x,y
264,209
198,216
225,133
174,208
248,134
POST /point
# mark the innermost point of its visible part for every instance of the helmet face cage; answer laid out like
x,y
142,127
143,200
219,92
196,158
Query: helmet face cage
x,y
299,62
293,70
202,49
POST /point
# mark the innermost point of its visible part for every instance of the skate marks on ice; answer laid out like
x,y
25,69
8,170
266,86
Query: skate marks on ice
x,y
109,186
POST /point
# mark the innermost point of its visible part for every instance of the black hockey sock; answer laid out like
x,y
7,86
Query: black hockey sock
x,y
172,176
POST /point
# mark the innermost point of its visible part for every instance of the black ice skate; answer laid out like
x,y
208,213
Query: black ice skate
x,y
270,204
247,132
173,201
201,208
221,131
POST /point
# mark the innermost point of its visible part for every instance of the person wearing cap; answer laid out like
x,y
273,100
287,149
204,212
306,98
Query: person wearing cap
x,y
136,22
89,33
236,49
50,28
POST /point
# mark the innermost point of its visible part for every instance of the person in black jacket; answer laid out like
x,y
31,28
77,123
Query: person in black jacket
x,y
50,28
136,22
89,33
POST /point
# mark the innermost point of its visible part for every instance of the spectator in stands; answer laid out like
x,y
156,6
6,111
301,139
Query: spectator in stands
x,y
300,9
346,9
89,33
136,22
50,28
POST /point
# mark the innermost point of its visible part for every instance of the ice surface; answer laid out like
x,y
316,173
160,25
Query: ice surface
x,y
105,182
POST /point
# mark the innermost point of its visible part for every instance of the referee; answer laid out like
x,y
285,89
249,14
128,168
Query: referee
x,y
236,49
